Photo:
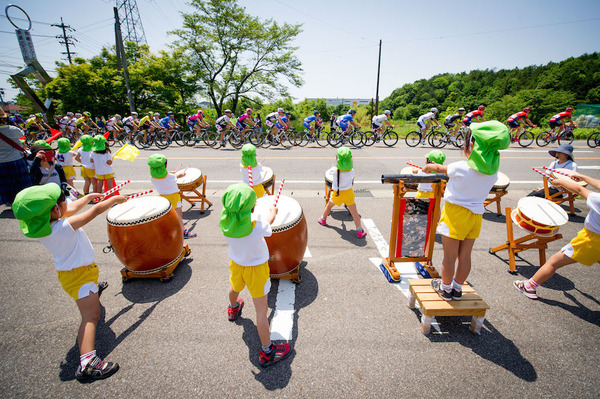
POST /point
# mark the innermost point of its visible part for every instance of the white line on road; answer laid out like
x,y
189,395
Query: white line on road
x,y
588,167
307,253
282,324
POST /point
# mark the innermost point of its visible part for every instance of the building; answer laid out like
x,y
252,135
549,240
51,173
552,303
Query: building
x,y
351,102
13,109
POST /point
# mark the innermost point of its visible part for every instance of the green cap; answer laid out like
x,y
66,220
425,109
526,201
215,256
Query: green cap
x,y
249,155
490,136
99,143
32,208
158,166
344,159
43,143
86,142
238,201
64,145
436,156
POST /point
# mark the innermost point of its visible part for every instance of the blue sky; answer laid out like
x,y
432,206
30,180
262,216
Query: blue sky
x,y
338,47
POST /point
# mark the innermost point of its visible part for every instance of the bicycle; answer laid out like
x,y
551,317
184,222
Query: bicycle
x,y
190,139
284,137
522,136
389,137
319,137
354,137
158,137
594,140
545,138
415,138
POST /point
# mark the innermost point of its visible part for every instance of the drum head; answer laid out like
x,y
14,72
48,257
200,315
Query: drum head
x,y
288,214
266,174
408,170
501,182
191,175
138,210
543,211
568,172
329,173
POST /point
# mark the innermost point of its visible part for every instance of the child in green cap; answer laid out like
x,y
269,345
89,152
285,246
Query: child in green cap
x,y
44,214
165,184
102,160
249,160
249,264
425,190
65,158
83,155
468,186
343,194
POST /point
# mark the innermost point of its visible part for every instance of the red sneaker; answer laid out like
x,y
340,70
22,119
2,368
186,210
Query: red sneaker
x,y
278,352
234,313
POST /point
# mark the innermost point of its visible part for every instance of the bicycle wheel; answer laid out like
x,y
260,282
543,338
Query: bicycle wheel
x,y
525,139
304,138
189,139
162,140
236,140
357,139
286,141
321,138
369,138
543,139
592,141
459,140
138,141
211,138
390,138
334,139
177,137
438,140
567,138
413,139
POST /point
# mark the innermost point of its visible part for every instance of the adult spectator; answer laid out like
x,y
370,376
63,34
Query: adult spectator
x,y
14,174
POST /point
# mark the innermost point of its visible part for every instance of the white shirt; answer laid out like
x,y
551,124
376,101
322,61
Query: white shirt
x,y
592,220
167,185
86,158
467,187
65,158
379,119
346,180
426,117
102,168
222,120
69,248
256,174
251,250
424,187
567,165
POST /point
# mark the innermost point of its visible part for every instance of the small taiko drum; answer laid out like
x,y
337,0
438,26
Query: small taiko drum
x,y
539,216
502,183
288,242
329,173
268,179
145,234
191,180
408,170
567,172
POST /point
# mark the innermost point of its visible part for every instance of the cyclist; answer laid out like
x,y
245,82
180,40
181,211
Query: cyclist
x,y
63,122
276,121
477,114
244,122
196,121
454,121
378,121
168,122
513,121
83,122
423,122
36,124
112,125
16,120
146,124
554,122
223,124
344,120
308,122
130,124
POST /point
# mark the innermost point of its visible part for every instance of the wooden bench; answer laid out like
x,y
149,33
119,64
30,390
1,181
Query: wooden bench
x,y
432,305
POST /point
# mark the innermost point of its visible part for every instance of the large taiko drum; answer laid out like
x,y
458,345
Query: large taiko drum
x,y
145,234
567,172
408,170
329,174
502,183
191,180
539,216
268,178
287,244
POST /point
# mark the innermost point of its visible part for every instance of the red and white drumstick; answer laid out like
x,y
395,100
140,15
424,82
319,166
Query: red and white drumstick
x,y
278,193
112,190
557,171
140,194
250,177
261,162
179,167
541,172
413,165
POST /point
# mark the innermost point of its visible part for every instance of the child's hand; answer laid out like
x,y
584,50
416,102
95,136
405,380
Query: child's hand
x,y
415,171
428,168
558,182
119,199
577,176
93,196
274,210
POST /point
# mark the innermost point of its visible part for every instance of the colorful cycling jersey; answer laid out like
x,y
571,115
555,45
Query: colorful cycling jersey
x,y
378,120
30,122
193,119
310,119
451,118
242,119
272,116
517,116
129,120
560,116
223,120
80,121
165,122
344,119
424,118
64,120
144,120
111,122
472,115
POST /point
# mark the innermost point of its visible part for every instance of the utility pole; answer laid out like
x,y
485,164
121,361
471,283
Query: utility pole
x,y
377,91
121,52
66,40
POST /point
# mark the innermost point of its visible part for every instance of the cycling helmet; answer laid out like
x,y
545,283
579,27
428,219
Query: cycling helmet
x,y
117,116
39,115
288,114
228,111
526,109
481,107
569,109
17,115
77,115
351,111
150,113
170,113
315,112
461,110
248,111
157,114
200,111
280,110
69,114
86,113
434,110
387,112
134,113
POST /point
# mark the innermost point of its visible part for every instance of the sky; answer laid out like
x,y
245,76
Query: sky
x,y
339,43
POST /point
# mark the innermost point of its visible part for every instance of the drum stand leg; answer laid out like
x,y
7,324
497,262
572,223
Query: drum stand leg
x,y
496,198
327,194
198,197
164,275
558,197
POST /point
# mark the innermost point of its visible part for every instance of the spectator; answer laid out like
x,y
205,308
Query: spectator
x,y
14,174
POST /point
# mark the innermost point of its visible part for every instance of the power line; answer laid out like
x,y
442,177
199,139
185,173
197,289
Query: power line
x,y
66,40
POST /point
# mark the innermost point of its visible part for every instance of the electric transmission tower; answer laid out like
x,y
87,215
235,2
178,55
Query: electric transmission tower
x,y
66,40
131,22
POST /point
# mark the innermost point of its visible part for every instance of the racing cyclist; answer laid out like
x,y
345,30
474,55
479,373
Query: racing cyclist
x,y
477,114
130,124
513,121
378,121
36,124
344,120
112,125
423,122
308,123
244,122
554,122
83,122
454,121
277,121
223,125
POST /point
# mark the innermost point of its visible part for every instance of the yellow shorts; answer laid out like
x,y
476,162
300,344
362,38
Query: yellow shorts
x,y
259,189
105,177
584,248
256,278
79,282
69,172
174,199
344,197
85,172
458,222
424,194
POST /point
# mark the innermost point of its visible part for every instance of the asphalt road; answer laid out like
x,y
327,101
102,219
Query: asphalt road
x,y
353,334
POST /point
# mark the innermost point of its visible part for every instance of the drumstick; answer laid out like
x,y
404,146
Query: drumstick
x,y
557,172
278,193
413,165
261,162
112,190
140,194
179,167
250,177
546,175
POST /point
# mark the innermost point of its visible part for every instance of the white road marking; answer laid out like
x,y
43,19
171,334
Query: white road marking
x,y
307,253
380,242
528,150
282,324
588,167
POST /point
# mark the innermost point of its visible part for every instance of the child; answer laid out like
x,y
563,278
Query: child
x,y
249,264
584,248
84,156
424,190
102,159
564,160
249,160
343,192
166,186
469,185
65,159
43,167
44,214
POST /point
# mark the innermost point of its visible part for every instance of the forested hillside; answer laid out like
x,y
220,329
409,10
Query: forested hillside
x,y
547,89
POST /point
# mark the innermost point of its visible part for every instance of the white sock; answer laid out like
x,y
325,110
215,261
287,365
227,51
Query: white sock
x,y
85,359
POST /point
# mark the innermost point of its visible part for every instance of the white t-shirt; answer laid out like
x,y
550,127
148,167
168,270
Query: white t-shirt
x,y
567,165
379,119
424,187
69,248
66,158
256,174
467,187
86,158
102,168
167,185
426,117
346,180
251,250
592,220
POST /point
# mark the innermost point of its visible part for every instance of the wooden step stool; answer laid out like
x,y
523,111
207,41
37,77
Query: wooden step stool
x,y
432,305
